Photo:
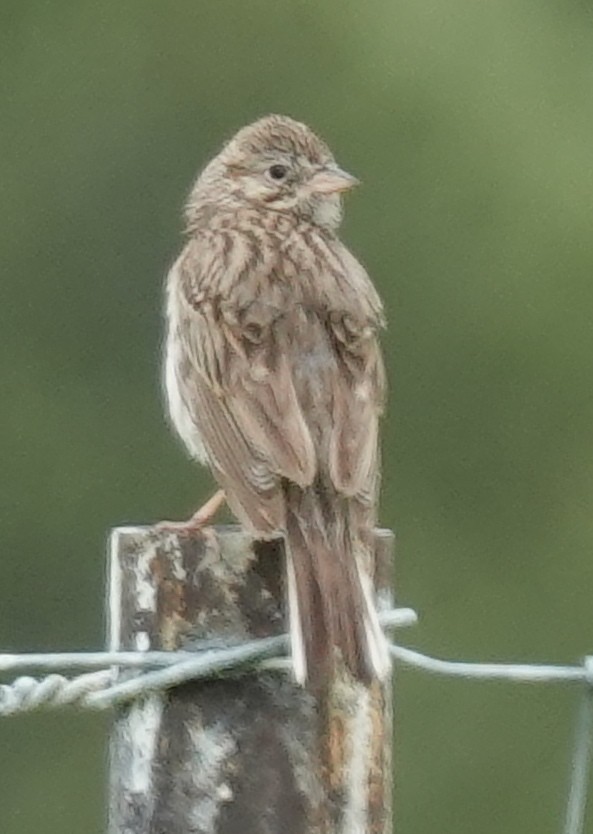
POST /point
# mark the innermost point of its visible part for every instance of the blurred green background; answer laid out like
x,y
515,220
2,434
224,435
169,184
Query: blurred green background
x,y
471,126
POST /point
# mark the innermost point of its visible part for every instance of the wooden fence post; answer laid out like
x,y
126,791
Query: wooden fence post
x,y
241,754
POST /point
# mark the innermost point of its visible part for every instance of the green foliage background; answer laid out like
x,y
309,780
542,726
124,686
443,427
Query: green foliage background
x,y
470,125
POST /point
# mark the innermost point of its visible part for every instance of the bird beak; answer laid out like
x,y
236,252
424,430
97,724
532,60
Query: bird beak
x,y
332,181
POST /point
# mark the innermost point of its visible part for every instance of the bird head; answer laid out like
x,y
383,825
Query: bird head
x,y
277,164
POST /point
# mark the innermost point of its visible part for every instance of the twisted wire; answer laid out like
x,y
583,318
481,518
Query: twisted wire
x,y
155,670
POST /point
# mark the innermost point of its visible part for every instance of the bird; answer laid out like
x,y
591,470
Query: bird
x,y
274,379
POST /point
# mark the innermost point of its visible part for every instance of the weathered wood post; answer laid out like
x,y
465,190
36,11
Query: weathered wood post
x,y
242,754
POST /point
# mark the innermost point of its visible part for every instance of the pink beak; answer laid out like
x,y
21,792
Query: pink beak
x,y
332,181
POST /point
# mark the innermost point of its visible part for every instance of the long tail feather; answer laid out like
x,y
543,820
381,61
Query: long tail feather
x,y
330,595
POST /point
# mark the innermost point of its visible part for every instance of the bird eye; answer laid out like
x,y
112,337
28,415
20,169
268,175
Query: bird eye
x,y
278,172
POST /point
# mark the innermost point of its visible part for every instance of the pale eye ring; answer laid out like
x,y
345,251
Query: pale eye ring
x,y
278,172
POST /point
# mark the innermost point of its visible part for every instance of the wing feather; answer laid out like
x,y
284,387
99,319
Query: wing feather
x,y
358,396
236,384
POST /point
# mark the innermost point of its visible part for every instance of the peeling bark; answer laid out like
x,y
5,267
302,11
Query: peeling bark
x,y
242,754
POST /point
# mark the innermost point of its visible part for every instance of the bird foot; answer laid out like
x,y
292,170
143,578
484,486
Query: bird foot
x,y
200,520
186,528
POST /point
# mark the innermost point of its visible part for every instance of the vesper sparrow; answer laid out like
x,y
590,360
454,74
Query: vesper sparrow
x,y
274,378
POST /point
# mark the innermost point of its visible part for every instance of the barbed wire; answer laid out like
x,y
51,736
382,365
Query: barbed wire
x,y
161,670
157,670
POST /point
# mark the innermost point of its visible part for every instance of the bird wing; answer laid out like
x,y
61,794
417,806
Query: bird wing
x,y
236,383
358,394
358,384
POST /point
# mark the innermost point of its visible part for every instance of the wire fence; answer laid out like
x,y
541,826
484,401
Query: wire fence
x,y
155,670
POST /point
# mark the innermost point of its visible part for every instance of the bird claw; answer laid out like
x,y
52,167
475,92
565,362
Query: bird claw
x,y
191,529
200,520
184,528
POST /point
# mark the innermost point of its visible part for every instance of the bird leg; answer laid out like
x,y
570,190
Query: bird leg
x,y
200,519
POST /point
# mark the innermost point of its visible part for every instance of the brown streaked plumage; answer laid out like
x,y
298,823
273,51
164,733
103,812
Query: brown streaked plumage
x,y
274,378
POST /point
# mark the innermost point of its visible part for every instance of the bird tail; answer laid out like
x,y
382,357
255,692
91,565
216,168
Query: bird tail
x,y
330,594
